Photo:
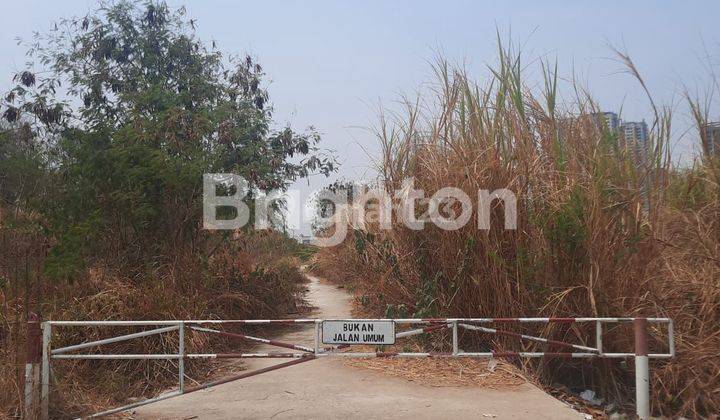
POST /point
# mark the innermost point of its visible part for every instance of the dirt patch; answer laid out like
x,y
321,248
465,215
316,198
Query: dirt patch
x,y
446,372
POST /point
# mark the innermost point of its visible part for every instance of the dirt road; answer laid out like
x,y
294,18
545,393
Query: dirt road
x,y
326,388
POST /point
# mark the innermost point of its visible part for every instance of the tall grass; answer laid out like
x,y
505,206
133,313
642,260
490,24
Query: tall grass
x,y
602,230
252,275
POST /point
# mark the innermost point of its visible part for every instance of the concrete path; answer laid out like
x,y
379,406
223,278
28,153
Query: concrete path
x,y
326,388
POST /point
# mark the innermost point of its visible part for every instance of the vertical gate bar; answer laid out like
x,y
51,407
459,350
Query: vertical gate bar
x,y
33,358
642,370
30,400
317,336
45,387
181,356
671,338
455,338
598,336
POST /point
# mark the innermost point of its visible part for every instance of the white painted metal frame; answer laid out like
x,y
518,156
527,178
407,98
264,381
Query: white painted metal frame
x,y
471,324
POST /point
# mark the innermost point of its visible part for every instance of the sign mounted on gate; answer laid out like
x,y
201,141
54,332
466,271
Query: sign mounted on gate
x,y
353,331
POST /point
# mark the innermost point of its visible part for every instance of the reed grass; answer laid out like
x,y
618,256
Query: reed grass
x,y
601,231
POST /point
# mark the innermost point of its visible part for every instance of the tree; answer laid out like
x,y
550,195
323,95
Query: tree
x,y
129,109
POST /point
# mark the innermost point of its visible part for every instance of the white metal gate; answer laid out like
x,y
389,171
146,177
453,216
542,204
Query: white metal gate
x,y
359,331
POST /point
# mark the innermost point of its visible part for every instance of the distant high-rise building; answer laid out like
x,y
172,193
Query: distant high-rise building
x,y
602,121
636,136
712,137
608,120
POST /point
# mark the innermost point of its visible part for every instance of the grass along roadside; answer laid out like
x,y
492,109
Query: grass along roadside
x,y
603,231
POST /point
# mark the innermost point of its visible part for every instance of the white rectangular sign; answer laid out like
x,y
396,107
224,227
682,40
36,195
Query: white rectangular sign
x,y
350,331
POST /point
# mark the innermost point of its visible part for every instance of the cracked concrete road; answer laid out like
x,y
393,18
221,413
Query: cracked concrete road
x,y
326,388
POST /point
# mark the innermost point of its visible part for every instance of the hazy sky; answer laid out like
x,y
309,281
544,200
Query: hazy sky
x,y
331,63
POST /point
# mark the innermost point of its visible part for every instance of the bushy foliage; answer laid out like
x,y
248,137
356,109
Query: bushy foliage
x,y
105,140
129,110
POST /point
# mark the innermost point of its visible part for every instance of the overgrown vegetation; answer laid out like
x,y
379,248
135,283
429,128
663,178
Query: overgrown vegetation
x,y
601,231
105,139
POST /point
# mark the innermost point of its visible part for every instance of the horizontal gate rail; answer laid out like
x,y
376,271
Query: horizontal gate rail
x,y
527,337
246,355
419,331
113,340
256,339
304,353
314,320
116,356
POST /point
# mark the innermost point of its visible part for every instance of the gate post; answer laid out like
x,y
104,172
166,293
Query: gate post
x,y
33,352
316,333
181,357
45,392
455,338
642,370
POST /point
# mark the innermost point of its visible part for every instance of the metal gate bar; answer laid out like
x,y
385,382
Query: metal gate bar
x,y
303,359
418,331
527,337
317,351
245,355
113,340
256,339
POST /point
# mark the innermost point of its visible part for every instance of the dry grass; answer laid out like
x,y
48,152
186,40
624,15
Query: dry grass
x,y
249,277
446,372
495,374
602,231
